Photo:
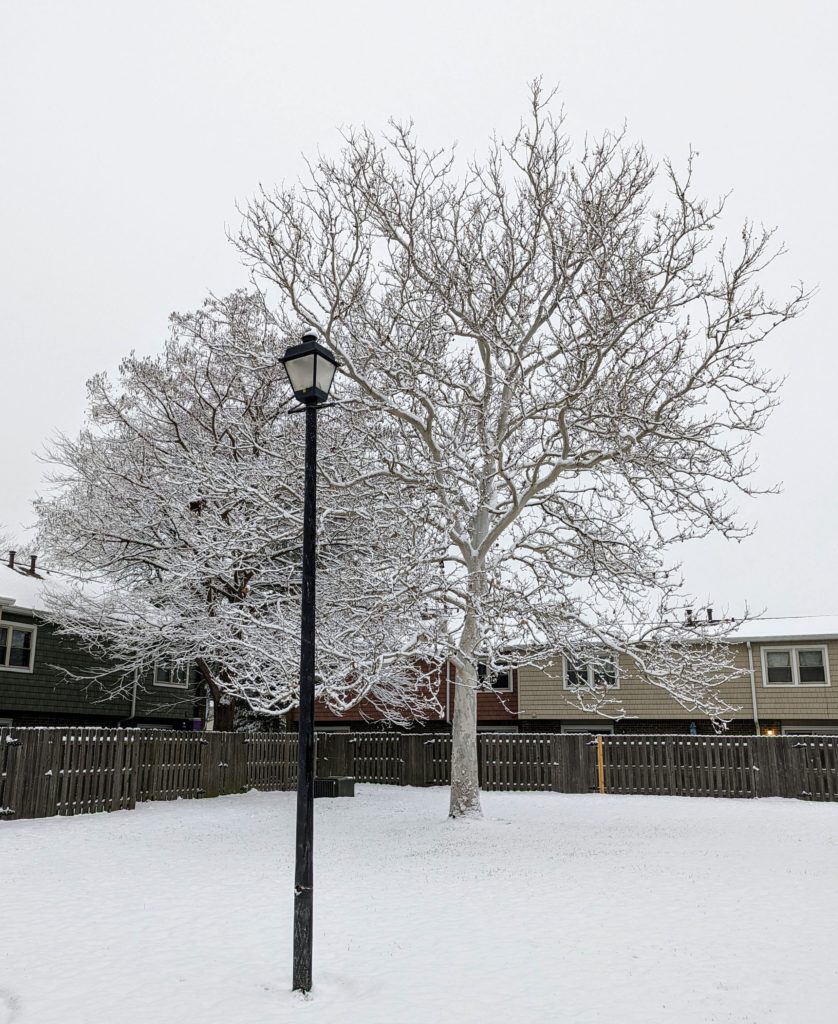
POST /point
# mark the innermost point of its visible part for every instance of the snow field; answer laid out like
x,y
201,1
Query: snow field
x,y
553,910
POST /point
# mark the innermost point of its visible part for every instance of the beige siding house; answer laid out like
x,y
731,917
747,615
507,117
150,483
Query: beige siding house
x,y
787,682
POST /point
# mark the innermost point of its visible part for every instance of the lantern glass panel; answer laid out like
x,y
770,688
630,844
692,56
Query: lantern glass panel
x,y
325,374
301,372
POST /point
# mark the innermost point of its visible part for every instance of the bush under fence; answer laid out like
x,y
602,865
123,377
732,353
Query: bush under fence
x,y
51,771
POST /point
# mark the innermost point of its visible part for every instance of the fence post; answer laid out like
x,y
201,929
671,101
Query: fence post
x,y
345,759
322,755
334,755
572,755
130,769
757,766
789,766
556,764
228,781
42,775
114,800
155,782
223,764
239,750
55,762
600,765
209,760
765,760
413,760
11,750
18,764
670,778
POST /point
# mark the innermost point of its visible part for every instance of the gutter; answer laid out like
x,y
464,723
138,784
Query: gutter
x,y
133,700
753,685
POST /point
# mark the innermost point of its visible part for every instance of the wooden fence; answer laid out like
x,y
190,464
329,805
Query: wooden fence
x,y
80,770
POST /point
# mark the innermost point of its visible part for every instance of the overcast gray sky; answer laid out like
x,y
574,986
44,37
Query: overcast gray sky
x,y
129,131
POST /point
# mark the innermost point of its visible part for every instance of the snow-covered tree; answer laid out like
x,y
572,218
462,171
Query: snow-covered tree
x,y
182,500
6,541
568,372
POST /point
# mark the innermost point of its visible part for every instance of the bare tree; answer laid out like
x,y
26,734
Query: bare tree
x,y
569,375
182,501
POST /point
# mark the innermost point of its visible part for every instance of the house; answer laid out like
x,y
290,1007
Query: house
x,y
497,709
787,684
34,689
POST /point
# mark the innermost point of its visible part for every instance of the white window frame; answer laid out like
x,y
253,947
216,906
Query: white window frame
x,y
794,650
590,668
175,670
494,689
10,625
790,729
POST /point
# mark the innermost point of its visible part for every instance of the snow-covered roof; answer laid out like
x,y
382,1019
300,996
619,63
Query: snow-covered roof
x,y
792,627
25,592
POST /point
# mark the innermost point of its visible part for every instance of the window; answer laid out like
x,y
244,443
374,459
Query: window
x,y
600,729
794,666
500,681
17,647
598,674
809,730
169,673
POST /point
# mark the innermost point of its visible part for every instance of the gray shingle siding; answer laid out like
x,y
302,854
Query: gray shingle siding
x,y
46,690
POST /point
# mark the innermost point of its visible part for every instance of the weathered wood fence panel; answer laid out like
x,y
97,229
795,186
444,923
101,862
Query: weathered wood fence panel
x,y
810,766
679,765
272,761
44,772
437,761
377,756
515,761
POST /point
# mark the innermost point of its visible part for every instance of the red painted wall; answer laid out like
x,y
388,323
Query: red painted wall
x,y
500,708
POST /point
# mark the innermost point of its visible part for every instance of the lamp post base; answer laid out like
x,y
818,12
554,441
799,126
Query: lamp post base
x,y
303,924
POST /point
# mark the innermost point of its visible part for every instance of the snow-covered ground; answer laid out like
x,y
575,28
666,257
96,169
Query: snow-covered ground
x,y
554,909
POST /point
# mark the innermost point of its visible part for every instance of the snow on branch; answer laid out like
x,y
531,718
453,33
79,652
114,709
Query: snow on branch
x,y
182,498
560,354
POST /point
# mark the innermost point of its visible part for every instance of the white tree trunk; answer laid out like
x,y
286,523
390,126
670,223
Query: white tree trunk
x,y
465,783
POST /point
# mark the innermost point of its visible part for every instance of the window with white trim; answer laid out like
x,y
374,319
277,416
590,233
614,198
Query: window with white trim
x,y
794,666
598,674
603,729
809,730
501,681
168,672
17,647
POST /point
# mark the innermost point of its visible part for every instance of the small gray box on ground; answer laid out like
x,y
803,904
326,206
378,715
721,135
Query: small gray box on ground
x,y
337,785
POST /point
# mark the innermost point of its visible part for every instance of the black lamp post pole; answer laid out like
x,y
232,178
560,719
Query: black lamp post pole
x,y
304,871
311,369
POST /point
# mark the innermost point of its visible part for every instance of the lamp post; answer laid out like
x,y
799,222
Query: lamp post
x,y
311,368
